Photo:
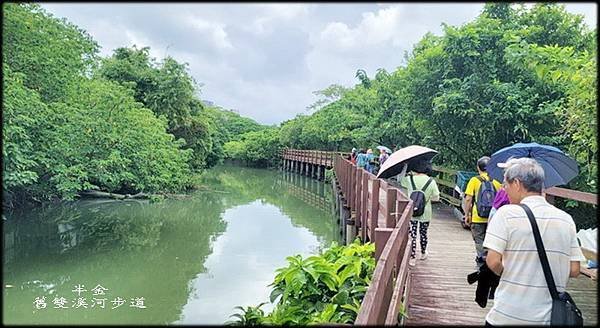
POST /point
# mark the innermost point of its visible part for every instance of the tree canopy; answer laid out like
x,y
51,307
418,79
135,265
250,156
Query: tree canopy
x,y
126,123
513,74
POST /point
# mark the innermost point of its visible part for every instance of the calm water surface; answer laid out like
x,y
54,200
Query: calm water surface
x,y
181,261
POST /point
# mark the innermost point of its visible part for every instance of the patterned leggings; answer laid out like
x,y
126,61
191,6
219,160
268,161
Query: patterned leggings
x,y
413,234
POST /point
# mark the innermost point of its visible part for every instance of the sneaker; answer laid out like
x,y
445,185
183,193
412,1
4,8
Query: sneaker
x,y
424,255
412,261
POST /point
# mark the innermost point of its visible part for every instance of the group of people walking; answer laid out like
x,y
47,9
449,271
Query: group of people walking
x,y
366,159
497,215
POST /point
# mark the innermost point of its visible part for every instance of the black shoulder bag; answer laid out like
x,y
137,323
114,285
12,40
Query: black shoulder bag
x,y
564,310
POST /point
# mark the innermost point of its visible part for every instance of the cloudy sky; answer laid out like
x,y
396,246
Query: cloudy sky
x,y
265,60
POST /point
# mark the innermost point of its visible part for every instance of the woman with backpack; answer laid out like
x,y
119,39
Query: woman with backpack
x,y
422,190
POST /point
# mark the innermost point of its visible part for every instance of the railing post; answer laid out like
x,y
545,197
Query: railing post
x,y
390,220
364,207
358,193
381,237
374,218
348,181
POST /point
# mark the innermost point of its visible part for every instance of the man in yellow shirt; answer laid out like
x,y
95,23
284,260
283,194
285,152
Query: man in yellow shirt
x,y
479,187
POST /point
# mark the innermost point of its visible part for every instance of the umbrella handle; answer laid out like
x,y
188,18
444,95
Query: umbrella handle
x,y
403,172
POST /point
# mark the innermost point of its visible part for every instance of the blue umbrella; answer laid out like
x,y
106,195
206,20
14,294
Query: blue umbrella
x,y
559,168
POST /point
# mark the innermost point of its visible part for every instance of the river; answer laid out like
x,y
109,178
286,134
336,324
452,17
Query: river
x,y
188,260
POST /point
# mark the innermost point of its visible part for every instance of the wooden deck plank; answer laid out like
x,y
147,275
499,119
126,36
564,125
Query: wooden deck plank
x,y
440,294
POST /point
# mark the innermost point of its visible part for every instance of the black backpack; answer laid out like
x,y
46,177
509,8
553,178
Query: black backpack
x,y
418,197
485,197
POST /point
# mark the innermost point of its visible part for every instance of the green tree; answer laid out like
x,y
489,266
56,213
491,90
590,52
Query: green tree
x,y
226,126
575,74
168,90
100,137
257,148
22,114
330,94
50,52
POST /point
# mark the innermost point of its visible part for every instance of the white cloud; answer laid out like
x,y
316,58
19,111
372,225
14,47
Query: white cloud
x,y
272,14
264,60
375,28
212,30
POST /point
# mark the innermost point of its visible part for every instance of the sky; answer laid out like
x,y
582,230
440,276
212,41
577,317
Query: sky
x,y
265,60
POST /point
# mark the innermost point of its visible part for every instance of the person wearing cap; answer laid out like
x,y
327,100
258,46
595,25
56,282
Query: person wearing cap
x,y
522,296
477,223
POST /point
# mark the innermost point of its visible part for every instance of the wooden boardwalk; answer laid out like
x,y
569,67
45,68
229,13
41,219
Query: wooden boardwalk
x,y
440,294
435,291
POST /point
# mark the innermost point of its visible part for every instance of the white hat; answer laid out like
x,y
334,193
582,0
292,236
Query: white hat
x,y
505,164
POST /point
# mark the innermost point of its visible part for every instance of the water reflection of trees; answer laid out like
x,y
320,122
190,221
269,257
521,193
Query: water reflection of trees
x,y
138,248
302,199
150,250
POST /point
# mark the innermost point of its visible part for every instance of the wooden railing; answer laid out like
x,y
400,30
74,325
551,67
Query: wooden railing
x,y
382,212
315,157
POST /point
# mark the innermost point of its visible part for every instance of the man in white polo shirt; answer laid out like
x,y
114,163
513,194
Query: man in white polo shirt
x,y
522,297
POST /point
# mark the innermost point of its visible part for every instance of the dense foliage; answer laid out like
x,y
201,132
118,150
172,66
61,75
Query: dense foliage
x,y
74,121
324,288
473,90
257,148
168,90
226,126
513,74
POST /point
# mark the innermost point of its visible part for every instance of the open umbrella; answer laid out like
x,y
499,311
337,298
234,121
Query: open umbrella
x,y
559,168
387,150
395,163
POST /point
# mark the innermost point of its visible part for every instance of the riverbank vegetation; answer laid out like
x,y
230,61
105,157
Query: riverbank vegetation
x,y
324,288
74,121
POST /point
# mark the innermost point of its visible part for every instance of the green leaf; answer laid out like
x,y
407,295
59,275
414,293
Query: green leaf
x,y
276,292
341,297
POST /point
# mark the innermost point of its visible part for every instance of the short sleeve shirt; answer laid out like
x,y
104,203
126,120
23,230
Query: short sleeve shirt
x,y
472,190
522,297
431,192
